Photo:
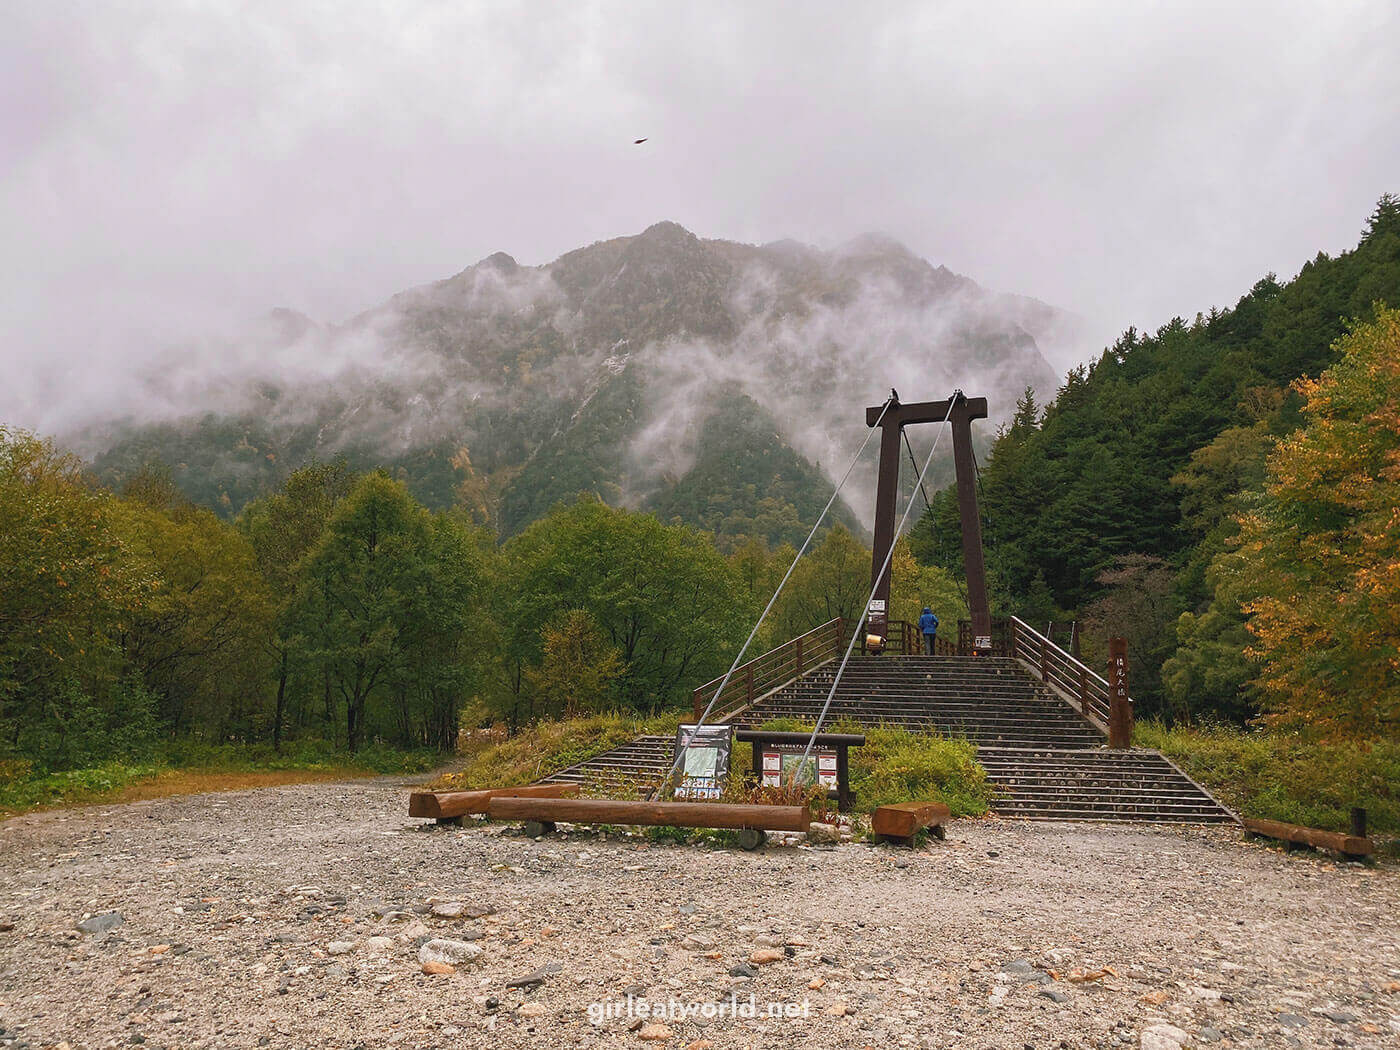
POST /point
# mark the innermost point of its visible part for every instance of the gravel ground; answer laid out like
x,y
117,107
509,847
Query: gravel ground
x,y
295,917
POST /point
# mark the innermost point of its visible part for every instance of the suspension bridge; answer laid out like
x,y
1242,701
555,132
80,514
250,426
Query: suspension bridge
x,y
1052,733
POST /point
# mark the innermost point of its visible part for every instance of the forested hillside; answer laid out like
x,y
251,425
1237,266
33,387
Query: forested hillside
x,y
1119,503
717,383
338,610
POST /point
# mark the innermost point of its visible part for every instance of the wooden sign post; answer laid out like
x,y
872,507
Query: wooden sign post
x,y
1120,705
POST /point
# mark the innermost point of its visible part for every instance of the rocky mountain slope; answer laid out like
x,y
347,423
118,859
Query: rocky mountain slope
x,y
716,382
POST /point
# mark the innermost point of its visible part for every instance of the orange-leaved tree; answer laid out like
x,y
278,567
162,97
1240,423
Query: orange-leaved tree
x,y
1320,551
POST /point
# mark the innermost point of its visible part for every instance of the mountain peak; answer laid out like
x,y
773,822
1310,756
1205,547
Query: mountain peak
x,y
499,261
875,243
667,232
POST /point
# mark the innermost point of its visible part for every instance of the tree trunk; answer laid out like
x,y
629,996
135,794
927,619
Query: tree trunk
x,y
281,707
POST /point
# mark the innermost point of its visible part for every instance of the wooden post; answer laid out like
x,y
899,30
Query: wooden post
x,y
697,703
1358,822
965,479
843,780
1120,705
1083,689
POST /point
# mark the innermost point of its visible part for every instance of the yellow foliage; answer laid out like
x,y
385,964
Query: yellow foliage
x,y
1322,549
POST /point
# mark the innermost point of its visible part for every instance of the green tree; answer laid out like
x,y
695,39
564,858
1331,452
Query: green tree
x,y
441,641
577,668
283,528
67,587
661,594
199,640
832,580
386,605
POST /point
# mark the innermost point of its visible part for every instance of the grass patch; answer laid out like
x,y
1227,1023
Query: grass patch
x,y
547,747
190,768
896,765
1281,776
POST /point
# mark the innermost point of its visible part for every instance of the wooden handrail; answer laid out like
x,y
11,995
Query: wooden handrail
x,y
773,670
1065,674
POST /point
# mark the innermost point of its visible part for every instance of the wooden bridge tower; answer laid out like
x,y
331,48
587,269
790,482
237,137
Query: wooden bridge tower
x,y
959,411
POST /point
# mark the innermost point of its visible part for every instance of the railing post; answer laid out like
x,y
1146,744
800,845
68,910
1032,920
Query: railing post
x,y
697,703
1083,689
1120,706
1011,638
1044,661
799,654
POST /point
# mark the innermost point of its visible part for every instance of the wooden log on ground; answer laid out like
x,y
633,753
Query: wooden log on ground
x,y
656,814
446,805
1351,845
901,821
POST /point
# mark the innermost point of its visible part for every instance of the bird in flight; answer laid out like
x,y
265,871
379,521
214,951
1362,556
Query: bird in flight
x,y
638,142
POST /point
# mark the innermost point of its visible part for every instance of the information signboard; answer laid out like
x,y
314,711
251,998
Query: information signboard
x,y
704,770
783,765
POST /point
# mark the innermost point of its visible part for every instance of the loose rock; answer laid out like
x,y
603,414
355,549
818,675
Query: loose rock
x,y
108,920
455,953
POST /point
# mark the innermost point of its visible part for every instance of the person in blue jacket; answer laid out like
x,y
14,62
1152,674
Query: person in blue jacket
x,y
928,625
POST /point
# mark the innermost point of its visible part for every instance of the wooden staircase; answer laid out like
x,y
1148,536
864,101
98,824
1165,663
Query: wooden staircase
x,y
1045,756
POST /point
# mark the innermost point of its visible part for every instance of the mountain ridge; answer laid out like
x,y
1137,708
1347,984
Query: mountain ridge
x,y
597,372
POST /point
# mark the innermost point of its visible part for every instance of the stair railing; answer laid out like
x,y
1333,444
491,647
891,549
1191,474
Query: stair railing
x,y
1067,675
773,670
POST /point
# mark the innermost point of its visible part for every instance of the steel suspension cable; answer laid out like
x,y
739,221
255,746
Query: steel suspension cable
x,y
860,625
781,584
915,464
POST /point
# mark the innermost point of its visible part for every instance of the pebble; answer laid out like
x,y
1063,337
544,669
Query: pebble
x,y
1163,1037
1054,994
823,834
531,1010
96,924
764,956
438,968
742,970
655,1033
449,910
441,949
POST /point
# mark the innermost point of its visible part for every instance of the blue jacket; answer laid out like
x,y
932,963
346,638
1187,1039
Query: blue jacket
x,y
928,623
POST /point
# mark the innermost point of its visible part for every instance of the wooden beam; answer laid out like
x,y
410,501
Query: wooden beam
x,y
444,805
904,820
782,736
1351,845
665,814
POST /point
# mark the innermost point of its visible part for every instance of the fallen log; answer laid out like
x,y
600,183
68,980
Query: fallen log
x,y
663,814
901,821
1350,845
447,805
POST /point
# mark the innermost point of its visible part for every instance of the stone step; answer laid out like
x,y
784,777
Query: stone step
x,y
1043,757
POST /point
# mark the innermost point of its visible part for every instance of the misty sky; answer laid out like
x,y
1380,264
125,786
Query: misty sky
x,y
169,168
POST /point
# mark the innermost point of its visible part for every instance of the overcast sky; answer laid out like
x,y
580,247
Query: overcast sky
x,y
166,167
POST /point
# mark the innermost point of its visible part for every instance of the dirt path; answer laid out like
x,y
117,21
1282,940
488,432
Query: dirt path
x,y
270,903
